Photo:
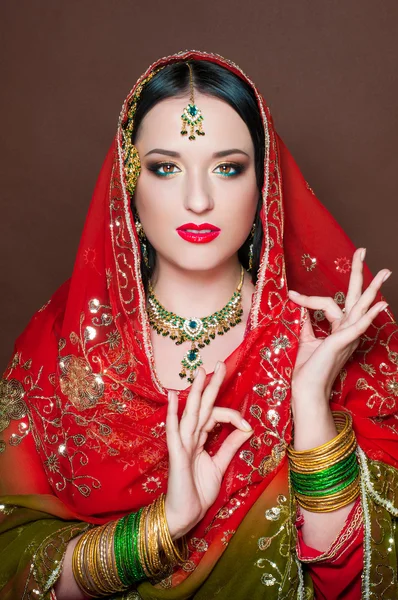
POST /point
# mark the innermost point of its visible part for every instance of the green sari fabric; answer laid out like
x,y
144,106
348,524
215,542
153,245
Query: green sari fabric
x,y
259,560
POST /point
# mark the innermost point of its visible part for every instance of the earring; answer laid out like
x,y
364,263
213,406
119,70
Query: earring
x,y
253,229
142,238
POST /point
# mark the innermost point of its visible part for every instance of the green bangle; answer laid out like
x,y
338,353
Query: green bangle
x,y
327,477
324,486
139,569
118,549
330,491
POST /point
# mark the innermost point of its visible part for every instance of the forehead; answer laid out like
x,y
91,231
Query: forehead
x,y
222,125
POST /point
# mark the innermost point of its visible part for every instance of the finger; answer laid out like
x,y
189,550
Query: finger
x,y
172,427
328,305
189,418
210,394
346,336
226,415
363,323
307,332
229,448
368,296
356,279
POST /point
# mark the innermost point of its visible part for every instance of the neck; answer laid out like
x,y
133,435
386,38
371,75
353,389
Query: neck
x,y
190,293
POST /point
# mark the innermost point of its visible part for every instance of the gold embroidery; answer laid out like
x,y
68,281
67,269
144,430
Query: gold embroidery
x,y
308,262
12,405
78,382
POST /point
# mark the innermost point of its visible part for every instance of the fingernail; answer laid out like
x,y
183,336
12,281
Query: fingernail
x,y
168,395
195,373
293,293
363,254
386,276
217,367
383,307
246,425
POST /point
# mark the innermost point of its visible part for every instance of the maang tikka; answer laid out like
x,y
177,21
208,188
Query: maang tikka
x,y
192,115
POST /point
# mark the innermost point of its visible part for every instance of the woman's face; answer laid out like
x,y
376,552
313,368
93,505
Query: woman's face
x,y
185,184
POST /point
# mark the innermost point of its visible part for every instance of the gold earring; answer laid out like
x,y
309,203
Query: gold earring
x,y
143,240
192,115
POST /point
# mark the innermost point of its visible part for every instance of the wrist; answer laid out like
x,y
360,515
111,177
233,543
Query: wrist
x,y
313,426
176,525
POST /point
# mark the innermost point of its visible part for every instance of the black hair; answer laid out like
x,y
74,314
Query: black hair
x,y
213,80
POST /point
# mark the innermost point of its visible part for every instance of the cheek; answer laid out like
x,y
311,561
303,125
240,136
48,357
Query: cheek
x,y
240,204
154,200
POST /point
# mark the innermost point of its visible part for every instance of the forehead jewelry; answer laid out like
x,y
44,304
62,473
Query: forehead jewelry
x,y
192,116
199,332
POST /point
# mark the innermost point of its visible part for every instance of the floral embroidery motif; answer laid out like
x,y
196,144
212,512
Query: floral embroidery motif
x,y
12,405
319,315
274,514
280,343
52,463
339,298
78,382
391,386
343,265
199,544
308,262
152,484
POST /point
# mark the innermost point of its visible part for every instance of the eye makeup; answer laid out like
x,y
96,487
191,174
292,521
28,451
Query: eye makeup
x,y
236,168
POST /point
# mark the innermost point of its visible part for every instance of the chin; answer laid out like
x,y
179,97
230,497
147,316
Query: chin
x,y
202,263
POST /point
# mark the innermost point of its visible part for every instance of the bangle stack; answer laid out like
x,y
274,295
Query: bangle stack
x,y
327,477
111,558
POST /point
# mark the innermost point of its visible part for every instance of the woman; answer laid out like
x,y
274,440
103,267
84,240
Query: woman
x,y
119,475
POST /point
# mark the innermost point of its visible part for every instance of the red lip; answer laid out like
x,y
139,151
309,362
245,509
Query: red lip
x,y
198,237
198,227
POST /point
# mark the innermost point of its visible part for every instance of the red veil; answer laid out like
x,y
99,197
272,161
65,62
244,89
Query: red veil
x,y
83,412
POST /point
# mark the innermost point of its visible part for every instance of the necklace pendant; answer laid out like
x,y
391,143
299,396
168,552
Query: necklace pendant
x,y
191,361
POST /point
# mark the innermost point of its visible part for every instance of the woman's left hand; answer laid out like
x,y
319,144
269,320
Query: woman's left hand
x,y
319,361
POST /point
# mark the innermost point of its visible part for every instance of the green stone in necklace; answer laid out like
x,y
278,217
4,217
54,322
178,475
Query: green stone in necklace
x,y
199,332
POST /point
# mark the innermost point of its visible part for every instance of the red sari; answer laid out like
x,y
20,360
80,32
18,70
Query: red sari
x,y
84,408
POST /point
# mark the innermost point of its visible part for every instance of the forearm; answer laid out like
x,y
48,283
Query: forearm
x,y
313,426
66,587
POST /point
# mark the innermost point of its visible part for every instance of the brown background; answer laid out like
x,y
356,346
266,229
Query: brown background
x,y
328,70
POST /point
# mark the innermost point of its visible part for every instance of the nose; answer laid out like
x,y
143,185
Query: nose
x,y
198,198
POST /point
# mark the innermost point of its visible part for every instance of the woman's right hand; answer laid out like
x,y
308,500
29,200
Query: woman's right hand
x,y
195,476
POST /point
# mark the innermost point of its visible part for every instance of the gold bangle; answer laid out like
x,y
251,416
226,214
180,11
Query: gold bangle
x,y
344,430
155,564
142,544
77,566
94,564
173,553
310,466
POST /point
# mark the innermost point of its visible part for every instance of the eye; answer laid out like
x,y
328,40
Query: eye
x,y
164,169
230,169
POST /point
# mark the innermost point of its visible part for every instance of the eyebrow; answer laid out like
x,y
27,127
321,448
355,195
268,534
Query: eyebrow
x,y
219,154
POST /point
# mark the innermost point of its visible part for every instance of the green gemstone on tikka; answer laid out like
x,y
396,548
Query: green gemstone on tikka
x,y
192,355
193,110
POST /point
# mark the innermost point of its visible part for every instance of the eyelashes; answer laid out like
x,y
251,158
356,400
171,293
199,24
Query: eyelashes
x,y
166,169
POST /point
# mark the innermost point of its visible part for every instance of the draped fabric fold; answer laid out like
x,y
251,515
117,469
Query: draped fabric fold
x,y
82,410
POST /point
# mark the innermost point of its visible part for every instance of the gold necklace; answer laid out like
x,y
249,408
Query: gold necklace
x,y
199,332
